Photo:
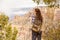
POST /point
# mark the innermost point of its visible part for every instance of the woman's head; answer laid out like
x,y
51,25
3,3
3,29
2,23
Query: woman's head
x,y
37,10
38,13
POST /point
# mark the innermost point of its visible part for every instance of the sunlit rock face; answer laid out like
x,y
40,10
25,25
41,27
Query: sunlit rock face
x,y
23,24
57,14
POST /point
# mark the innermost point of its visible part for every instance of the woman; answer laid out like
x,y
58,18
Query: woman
x,y
37,23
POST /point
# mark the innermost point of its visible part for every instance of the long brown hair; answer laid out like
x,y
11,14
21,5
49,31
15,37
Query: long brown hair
x,y
38,14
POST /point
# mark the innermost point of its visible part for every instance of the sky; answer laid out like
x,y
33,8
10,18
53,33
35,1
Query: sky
x,y
6,6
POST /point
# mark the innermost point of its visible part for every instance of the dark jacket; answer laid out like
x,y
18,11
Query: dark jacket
x,y
37,21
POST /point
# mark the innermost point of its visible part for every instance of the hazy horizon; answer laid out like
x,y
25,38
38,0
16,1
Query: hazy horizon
x,y
11,7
